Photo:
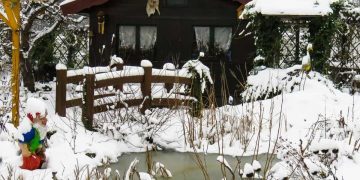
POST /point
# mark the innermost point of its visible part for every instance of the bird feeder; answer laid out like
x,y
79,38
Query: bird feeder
x,y
101,22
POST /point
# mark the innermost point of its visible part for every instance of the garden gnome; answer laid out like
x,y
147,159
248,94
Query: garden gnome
x,y
33,132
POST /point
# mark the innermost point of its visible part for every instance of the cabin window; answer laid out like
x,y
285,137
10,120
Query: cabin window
x,y
137,42
222,38
127,36
216,39
148,36
202,35
176,2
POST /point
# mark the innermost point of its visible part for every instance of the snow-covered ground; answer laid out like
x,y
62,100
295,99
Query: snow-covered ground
x,y
300,107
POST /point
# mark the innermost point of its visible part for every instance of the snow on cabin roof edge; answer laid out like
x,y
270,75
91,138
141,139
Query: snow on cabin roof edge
x,y
288,8
76,6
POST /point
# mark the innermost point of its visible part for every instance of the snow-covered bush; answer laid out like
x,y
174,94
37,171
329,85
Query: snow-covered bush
x,y
266,83
200,78
320,155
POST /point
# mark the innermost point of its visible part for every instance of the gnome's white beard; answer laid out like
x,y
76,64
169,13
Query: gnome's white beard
x,y
41,129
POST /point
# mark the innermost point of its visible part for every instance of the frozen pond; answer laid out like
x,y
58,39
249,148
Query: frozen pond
x,y
183,165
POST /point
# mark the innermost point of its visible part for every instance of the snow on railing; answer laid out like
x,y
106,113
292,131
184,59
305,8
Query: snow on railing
x,y
103,77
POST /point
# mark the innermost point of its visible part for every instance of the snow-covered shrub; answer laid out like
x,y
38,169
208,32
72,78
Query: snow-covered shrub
x,y
266,83
200,78
330,142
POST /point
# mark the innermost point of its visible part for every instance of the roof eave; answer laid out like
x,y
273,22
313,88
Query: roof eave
x,y
78,6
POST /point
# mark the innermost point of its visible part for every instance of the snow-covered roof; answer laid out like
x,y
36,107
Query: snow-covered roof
x,y
75,6
288,7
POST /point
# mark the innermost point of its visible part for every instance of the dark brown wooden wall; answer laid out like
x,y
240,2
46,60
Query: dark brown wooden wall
x,y
175,32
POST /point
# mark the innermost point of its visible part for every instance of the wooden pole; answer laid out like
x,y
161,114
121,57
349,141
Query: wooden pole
x,y
119,67
88,107
169,67
146,85
61,81
12,9
15,82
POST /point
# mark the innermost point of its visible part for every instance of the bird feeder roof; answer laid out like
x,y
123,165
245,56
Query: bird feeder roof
x,y
299,8
76,6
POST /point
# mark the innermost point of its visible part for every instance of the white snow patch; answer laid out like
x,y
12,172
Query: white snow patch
x,y
357,77
146,63
324,144
169,66
222,160
66,2
35,105
288,7
202,70
116,60
256,165
60,66
145,176
248,169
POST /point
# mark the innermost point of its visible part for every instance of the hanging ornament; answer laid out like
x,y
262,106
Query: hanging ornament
x,y
240,9
152,6
101,22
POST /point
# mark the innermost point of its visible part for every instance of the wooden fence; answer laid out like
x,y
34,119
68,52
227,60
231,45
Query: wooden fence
x,y
103,78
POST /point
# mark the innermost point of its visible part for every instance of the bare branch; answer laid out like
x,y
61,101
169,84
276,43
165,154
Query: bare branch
x,y
4,17
42,34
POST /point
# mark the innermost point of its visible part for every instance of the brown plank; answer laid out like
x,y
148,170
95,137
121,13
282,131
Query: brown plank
x,y
61,81
75,79
99,96
73,102
146,88
171,79
88,110
118,81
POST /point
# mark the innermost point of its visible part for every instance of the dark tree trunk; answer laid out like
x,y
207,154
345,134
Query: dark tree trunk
x,y
27,74
25,63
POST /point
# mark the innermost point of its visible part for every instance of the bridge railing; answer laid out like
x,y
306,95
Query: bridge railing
x,y
97,78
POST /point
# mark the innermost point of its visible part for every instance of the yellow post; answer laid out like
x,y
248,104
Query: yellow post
x,y
12,9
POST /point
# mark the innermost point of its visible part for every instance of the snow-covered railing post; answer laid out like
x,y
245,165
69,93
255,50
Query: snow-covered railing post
x,y
118,63
61,81
88,95
170,67
355,84
146,85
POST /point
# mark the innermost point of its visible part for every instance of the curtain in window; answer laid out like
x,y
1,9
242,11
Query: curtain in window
x,y
223,38
202,38
148,35
356,2
127,36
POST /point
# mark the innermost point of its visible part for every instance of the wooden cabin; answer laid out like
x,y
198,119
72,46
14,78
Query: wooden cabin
x,y
175,33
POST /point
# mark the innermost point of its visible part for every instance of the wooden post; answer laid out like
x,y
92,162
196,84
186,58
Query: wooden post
x,y
88,107
169,67
12,19
146,85
61,81
119,67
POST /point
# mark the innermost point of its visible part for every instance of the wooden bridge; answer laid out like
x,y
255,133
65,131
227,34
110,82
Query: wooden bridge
x,y
97,78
